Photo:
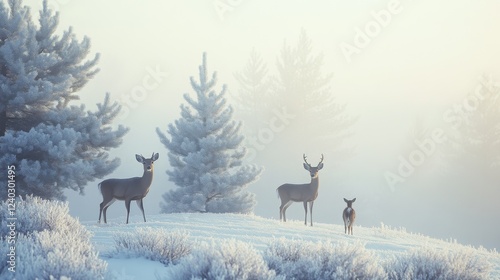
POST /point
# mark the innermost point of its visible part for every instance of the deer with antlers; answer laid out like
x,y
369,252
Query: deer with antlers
x,y
305,193
349,215
135,188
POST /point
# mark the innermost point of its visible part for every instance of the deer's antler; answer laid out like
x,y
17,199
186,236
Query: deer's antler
x,y
322,157
305,160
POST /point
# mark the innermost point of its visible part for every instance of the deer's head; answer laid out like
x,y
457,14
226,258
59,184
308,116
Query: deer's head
x,y
349,202
313,170
147,162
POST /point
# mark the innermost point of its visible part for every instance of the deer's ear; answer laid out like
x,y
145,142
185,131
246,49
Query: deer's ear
x,y
139,158
320,166
156,156
345,200
354,200
306,166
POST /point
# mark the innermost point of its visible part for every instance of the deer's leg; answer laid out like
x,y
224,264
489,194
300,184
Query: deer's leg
x,y
305,210
100,211
127,205
103,207
281,213
345,225
141,206
311,211
283,208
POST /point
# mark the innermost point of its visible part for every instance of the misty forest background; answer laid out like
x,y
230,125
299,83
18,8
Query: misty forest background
x,y
374,112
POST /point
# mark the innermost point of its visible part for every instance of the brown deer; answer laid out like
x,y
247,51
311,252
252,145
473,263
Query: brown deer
x,y
305,193
349,215
135,188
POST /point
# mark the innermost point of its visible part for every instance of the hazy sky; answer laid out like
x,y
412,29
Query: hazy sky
x,y
394,63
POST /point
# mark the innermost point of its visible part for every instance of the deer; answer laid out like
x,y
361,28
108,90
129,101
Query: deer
x,y
129,189
349,215
289,193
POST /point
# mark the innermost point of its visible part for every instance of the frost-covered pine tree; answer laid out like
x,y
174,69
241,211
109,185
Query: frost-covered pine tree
x,y
52,144
206,155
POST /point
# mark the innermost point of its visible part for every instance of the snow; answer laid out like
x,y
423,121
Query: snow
x,y
137,268
385,242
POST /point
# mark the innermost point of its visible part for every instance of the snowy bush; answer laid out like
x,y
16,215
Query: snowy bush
x,y
153,244
35,214
53,253
49,243
431,263
297,259
229,259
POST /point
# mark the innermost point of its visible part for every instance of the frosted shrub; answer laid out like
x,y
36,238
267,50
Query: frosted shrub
x,y
296,259
430,263
36,214
225,260
54,254
153,244
49,243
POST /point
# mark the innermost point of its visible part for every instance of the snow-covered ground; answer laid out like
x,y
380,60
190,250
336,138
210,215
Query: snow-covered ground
x,y
384,241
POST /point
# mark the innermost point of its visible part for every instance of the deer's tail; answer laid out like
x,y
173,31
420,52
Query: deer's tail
x,y
99,187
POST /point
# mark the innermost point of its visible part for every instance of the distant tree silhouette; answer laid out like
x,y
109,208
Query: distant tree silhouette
x,y
299,88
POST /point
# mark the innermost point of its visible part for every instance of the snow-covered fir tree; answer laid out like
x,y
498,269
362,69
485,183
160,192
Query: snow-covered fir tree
x,y
52,144
206,155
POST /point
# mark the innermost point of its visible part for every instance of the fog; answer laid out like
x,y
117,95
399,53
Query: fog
x,y
405,70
